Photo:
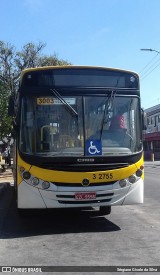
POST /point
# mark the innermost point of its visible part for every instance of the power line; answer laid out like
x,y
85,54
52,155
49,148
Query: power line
x,y
148,63
143,77
151,66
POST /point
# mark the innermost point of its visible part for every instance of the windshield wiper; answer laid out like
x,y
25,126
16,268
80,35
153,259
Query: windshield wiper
x,y
108,107
66,104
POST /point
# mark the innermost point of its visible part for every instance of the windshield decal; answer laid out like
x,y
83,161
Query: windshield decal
x,y
93,147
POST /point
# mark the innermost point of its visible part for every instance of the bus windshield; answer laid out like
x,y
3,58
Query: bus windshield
x,y
48,128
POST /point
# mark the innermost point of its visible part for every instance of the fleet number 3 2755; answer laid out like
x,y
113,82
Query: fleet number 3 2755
x,y
103,176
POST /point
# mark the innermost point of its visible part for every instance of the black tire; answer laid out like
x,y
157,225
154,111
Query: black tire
x,y
105,210
21,212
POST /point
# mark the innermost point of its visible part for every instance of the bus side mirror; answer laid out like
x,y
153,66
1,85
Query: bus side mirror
x,y
11,106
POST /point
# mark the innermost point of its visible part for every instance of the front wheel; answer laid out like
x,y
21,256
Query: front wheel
x,y
105,210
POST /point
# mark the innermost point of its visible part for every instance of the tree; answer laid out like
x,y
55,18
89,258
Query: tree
x,y
52,61
5,120
12,62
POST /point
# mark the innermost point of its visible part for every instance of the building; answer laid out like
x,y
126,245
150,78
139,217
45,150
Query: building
x,y
152,133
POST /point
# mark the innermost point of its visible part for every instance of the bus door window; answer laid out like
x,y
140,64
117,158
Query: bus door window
x,y
27,141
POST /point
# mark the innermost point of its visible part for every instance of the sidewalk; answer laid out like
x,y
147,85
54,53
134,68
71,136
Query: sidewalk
x,y
154,163
6,176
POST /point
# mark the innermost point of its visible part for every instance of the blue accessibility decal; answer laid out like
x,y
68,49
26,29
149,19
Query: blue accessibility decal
x,y
93,147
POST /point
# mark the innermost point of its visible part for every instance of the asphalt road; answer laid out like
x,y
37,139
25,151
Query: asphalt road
x,y
129,236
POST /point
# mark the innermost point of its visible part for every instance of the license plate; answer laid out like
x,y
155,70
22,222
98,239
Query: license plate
x,y
85,196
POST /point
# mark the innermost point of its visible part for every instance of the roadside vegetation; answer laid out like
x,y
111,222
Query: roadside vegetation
x,y
12,62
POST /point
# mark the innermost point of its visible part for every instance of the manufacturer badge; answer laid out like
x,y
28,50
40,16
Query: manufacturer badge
x,y
85,182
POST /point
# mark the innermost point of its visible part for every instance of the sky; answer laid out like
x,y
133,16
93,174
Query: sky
x,y
106,33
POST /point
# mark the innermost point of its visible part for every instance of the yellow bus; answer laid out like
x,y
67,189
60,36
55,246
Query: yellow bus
x,y
78,138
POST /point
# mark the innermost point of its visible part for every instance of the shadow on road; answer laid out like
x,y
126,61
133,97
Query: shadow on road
x,y
55,221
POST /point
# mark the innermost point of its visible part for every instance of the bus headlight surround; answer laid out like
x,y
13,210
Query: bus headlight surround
x,y
45,184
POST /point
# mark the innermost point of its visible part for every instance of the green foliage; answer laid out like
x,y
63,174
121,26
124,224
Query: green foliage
x,y
52,61
5,120
12,62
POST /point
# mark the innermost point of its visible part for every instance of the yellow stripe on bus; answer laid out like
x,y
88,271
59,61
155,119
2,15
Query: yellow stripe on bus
x,y
77,177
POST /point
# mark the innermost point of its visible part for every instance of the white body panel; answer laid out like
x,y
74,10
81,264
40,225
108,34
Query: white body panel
x,y
135,194
33,197
29,197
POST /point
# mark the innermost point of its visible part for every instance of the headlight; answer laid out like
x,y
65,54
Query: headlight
x,y
132,178
45,184
26,175
139,173
34,181
123,183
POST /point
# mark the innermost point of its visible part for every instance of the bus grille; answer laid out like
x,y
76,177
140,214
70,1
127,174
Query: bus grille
x,y
83,167
98,199
65,184
84,202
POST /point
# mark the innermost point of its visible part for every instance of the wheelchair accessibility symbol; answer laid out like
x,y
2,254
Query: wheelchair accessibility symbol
x,y
93,147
